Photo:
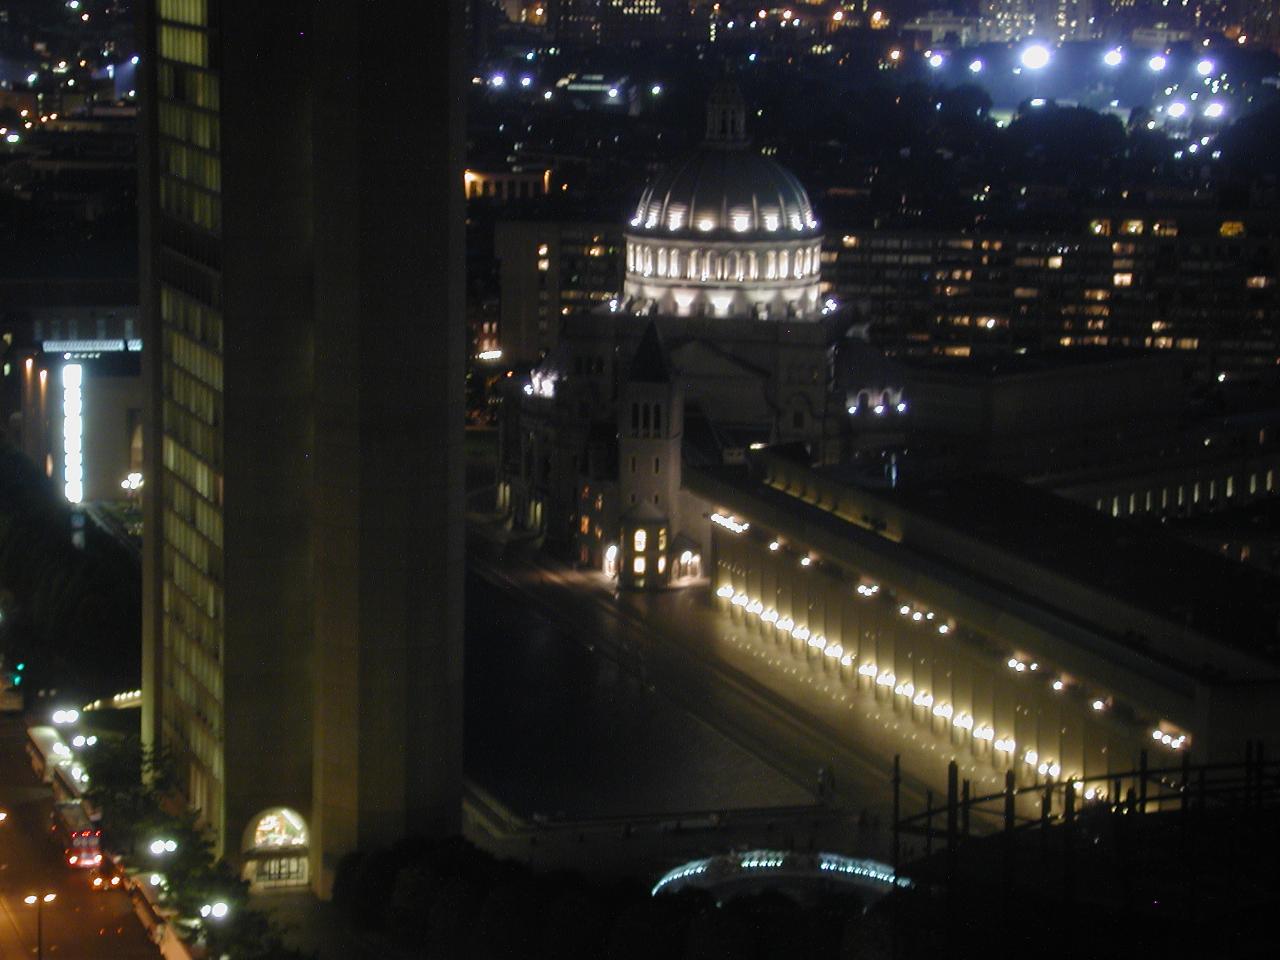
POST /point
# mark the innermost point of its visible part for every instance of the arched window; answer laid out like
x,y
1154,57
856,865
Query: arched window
x,y
662,261
275,849
695,268
712,266
753,266
674,265
648,261
735,266
784,264
771,265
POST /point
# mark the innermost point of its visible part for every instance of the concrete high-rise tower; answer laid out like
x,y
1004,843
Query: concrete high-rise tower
x,y
302,297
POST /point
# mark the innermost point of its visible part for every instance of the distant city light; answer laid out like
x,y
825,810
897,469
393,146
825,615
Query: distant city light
x,y
526,81
936,60
1035,57
1038,101
1157,63
1204,67
498,80
1113,58
656,89
975,66
1177,109
134,59
613,93
1214,110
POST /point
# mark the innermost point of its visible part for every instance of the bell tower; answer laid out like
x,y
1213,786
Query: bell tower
x,y
650,430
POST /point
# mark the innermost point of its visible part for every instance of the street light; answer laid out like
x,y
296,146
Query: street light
x,y
161,847
31,900
214,910
1035,57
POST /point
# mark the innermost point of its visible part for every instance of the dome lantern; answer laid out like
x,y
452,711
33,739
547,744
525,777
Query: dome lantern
x,y
726,116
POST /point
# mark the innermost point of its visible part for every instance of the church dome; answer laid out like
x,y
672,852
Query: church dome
x,y
726,189
726,233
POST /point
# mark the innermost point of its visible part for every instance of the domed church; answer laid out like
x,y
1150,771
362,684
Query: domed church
x,y
725,233
721,342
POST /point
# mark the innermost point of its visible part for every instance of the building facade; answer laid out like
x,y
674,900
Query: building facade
x,y
302,290
1197,283
549,271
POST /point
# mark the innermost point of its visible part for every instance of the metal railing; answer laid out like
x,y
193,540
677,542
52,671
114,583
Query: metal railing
x,y
1249,785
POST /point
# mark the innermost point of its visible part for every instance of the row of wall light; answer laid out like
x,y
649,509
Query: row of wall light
x,y
886,678
919,698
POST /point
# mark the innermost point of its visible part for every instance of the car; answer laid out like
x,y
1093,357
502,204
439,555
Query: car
x,y
105,880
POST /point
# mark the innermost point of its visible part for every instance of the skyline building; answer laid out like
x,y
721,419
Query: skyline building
x,y
302,288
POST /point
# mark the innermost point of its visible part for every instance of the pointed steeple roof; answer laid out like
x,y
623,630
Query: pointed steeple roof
x,y
650,363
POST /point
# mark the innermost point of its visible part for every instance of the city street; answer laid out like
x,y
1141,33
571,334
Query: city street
x,y
78,924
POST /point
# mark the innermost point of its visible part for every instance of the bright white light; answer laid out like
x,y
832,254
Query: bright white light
x,y
1177,109
156,879
1204,67
1214,110
1058,685
489,355
498,80
936,60
613,93
656,89
526,81
206,910
1037,102
902,407
157,847
134,60
1113,58
546,95
730,523
1035,57
1157,63
975,66
1099,705
79,741
878,409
